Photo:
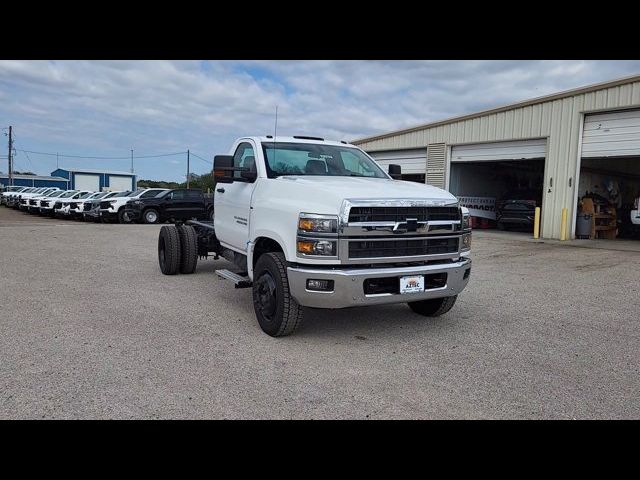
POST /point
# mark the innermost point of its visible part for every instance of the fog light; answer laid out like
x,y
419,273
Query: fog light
x,y
320,285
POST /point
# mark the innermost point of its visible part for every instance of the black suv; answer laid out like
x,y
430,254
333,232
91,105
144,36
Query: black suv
x,y
178,204
517,208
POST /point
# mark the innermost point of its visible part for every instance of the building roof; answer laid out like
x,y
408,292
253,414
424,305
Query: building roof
x,y
90,170
525,103
34,177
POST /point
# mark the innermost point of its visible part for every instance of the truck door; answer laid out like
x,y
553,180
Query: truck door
x,y
232,202
176,206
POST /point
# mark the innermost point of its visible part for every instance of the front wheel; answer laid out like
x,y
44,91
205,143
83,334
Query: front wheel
x,y
277,311
150,216
123,217
434,307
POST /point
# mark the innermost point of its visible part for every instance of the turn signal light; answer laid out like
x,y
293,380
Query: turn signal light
x,y
306,247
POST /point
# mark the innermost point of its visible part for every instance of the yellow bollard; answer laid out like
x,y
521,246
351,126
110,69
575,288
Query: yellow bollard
x,y
536,224
563,227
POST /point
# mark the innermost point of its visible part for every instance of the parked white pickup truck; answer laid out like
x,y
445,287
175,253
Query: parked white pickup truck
x,y
313,223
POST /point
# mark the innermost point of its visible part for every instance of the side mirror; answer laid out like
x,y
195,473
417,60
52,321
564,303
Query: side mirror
x,y
222,166
249,175
395,171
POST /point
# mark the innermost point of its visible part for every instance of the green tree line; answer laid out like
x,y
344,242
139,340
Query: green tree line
x,y
204,182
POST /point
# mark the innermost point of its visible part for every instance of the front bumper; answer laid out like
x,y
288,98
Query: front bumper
x,y
63,210
349,284
108,213
94,212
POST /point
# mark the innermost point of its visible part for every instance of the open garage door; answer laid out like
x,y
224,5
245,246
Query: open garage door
x,y
501,183
609,183
83,181
120,183
413,162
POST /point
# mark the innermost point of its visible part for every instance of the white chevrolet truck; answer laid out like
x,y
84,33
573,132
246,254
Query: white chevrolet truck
x,y
313,223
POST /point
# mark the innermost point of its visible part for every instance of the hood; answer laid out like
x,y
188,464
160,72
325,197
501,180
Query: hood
x,y
334,189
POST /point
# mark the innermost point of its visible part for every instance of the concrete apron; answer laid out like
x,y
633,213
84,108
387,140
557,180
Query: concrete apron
x,y
621,245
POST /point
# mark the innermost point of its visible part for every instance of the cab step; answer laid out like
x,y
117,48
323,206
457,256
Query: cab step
x,y
238,280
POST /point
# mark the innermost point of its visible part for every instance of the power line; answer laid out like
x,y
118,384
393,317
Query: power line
x,y
92,157
204,159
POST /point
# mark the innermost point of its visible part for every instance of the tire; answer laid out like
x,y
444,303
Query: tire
x,y
277,312
188,249
122,216
150,215
434,307
501,226
169,250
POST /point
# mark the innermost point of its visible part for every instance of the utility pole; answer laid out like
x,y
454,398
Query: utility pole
x,y
187,168
9,157
135,187
57,162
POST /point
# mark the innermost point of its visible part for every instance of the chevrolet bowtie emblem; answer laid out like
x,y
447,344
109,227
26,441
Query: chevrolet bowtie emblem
x,y
410,225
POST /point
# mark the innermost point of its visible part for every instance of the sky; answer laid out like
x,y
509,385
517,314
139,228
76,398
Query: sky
x,y
106,108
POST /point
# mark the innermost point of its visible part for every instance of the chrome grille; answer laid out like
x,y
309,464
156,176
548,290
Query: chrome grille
x,y
403,248
400,214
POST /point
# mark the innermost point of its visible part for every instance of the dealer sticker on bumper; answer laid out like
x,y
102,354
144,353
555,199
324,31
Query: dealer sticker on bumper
x,y
412,284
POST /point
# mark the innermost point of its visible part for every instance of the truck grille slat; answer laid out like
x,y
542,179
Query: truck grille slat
x,y
400,214
402,248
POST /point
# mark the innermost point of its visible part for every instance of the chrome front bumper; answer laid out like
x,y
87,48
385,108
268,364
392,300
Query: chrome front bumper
x,y
349,284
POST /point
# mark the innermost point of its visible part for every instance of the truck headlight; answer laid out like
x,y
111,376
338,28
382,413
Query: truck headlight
x,y
310,223
320,247
466,221
465,242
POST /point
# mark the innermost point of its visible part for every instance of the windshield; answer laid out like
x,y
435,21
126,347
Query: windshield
x,y
68,194
318,159
57,193
98,195
86,195
122,194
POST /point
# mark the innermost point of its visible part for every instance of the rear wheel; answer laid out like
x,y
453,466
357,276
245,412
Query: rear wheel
x,y
501,226
169,250
188,249
277,312
434,307
150,216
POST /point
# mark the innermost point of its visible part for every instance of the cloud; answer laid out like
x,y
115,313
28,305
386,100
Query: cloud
x,y
107,108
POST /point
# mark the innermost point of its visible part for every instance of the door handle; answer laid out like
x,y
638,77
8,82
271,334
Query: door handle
x,y
220,190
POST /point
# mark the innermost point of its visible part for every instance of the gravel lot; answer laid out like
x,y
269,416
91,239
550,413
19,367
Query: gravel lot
x,y
90,328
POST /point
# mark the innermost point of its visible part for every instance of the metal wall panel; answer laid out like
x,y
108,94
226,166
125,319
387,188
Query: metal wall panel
x,y
479,152
411,161
558,119
615,134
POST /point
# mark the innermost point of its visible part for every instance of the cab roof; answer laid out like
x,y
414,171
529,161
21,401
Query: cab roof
x,y
300,139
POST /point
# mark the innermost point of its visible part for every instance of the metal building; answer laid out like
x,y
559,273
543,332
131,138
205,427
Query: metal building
x,y
97,180
34,181
569,139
